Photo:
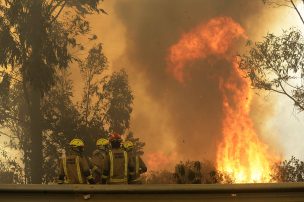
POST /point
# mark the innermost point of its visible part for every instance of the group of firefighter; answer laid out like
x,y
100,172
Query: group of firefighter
x,y
113,162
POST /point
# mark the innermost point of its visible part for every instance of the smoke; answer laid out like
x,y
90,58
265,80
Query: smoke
x,y
177,122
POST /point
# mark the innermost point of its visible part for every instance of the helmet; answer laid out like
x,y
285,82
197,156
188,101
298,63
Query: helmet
x,y
128,145
115,137
76,143
102,142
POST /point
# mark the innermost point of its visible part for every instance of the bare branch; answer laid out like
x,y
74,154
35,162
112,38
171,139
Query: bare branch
x,y
55,6
294,6
275,3
292,86
292,98
57,15
7,135
7,116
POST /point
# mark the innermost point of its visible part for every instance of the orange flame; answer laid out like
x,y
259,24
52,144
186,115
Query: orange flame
x,y
213,38
240,153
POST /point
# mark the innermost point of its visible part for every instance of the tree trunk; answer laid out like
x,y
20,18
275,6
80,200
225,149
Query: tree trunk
x,y
36,154
34,95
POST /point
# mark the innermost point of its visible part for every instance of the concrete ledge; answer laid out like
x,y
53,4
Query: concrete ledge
x,y
238,192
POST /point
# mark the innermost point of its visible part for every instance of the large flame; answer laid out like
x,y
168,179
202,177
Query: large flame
x,y
240,153
213,38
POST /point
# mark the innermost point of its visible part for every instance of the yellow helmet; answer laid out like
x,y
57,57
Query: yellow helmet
x,y
128,145
102,142
76,143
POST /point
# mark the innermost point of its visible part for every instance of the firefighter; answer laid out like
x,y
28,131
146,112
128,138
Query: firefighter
x,y
140,166
74,168
98,157
117,165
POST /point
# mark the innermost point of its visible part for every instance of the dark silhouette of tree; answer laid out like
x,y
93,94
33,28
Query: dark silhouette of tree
x,y
35,39
288,171
93,104
119,107
64,120
61,120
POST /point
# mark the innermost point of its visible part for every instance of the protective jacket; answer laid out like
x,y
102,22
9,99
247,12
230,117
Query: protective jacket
x,y
74,169
117,167
97,162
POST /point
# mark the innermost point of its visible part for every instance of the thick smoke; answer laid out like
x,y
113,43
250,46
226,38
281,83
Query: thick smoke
x,y
177,122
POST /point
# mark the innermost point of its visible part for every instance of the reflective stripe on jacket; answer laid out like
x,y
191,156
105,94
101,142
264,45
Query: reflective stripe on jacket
x,y
117,167
75,169
113,163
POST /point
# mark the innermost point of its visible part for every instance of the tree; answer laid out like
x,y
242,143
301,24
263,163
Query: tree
x,y
289,171
64,120
35,36
276,64
138,145
93,105
119,107
93,67
107,99
61,120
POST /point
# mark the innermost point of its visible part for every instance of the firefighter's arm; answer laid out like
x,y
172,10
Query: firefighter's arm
x,y
61,173
94,165
86,170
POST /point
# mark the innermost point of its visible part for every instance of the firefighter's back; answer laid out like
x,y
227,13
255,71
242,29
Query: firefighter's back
x,y
119,166
74,169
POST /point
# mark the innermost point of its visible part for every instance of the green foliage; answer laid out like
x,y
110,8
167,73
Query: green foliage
x,y
4,96
36,40
60,122
10,175
23,25
288,171
120,97
93,103
277,65
65,120
10,170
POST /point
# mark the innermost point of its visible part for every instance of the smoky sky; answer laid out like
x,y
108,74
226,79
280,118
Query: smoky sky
x,y
194,108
